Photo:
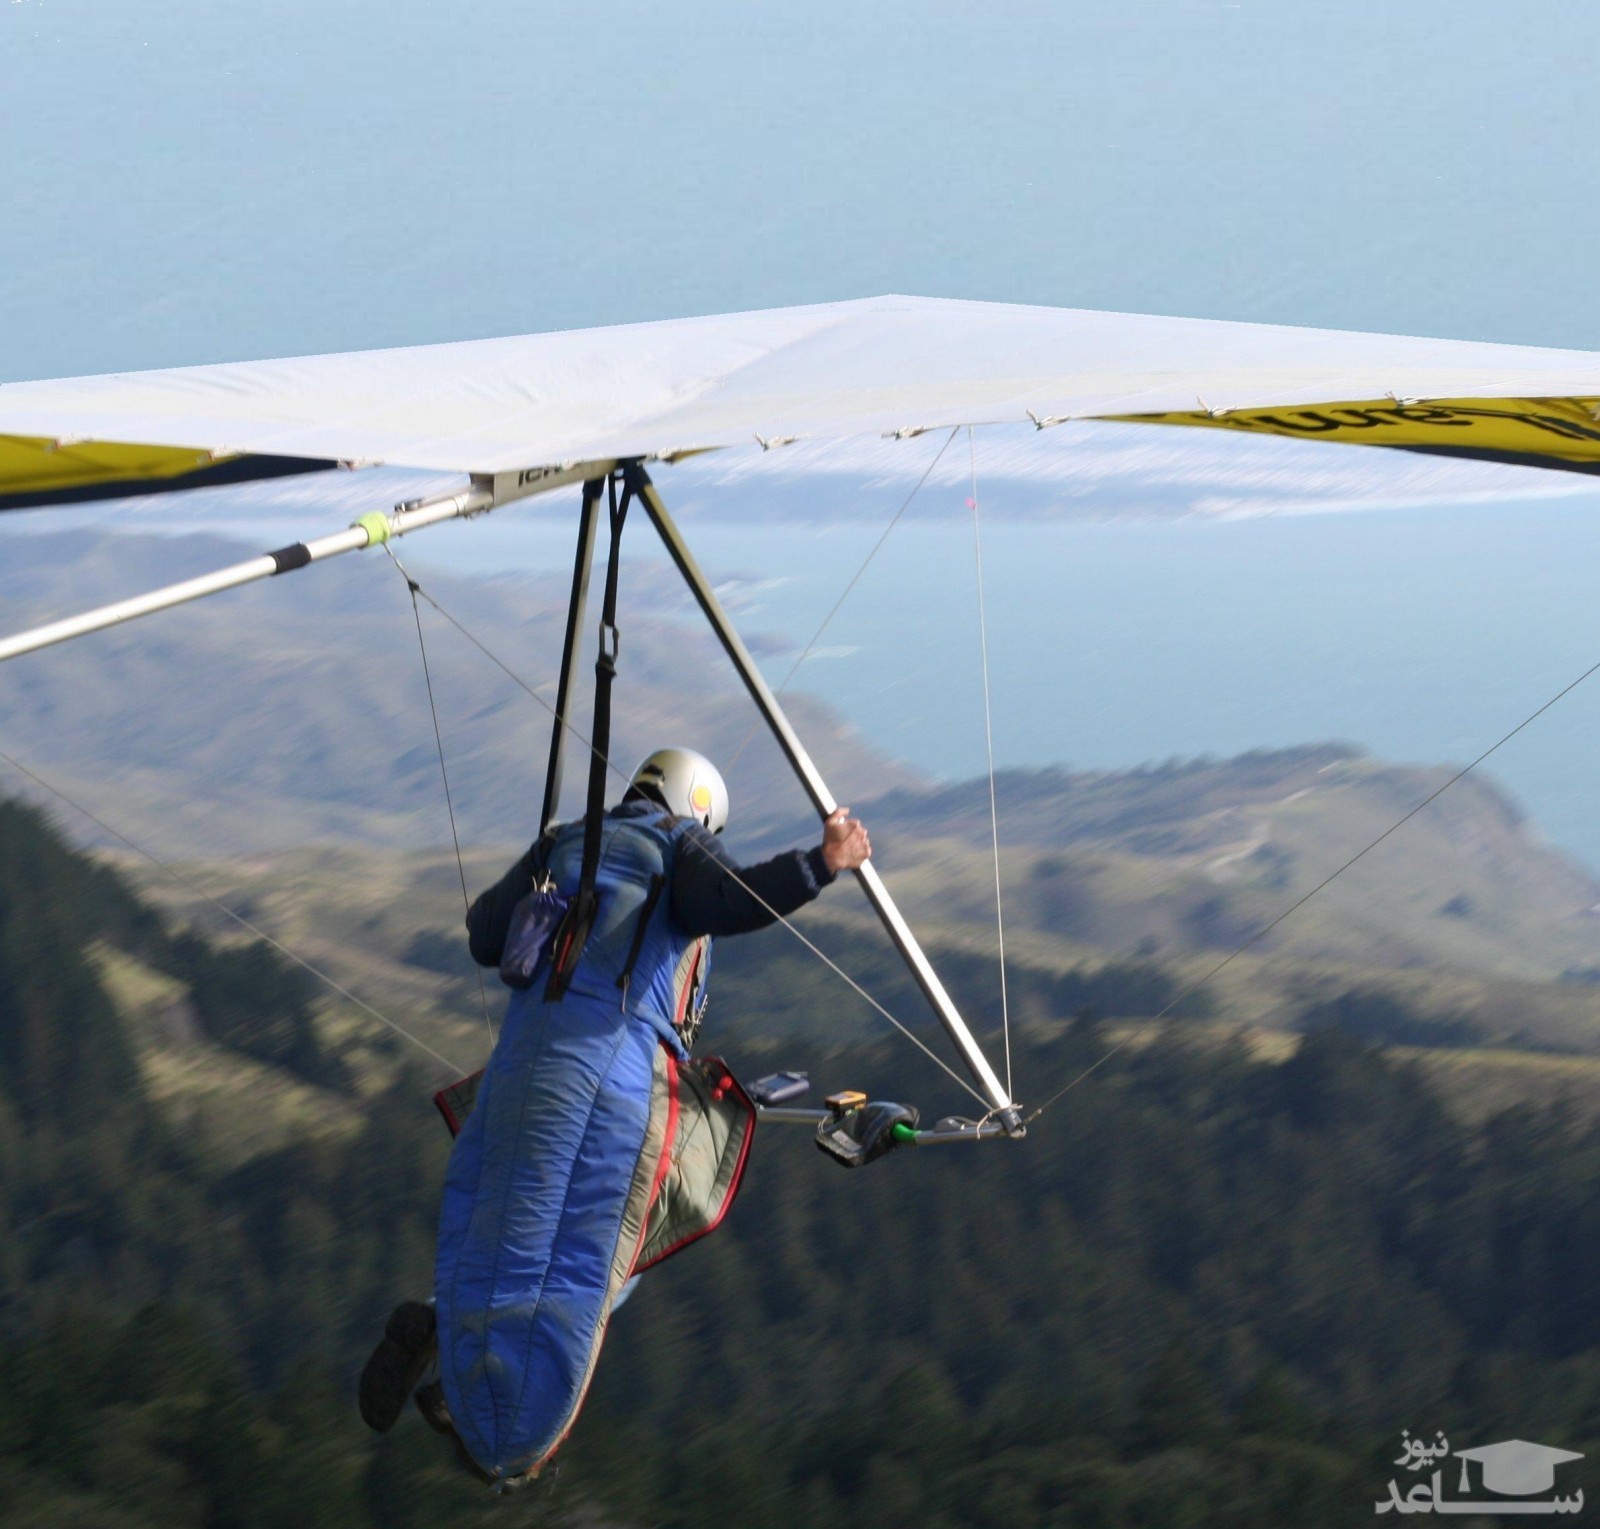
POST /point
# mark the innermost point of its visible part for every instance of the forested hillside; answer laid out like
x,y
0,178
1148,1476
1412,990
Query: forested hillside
x,y
1206,1289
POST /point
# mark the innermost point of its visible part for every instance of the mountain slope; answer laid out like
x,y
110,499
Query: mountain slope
x,y
296,710
1202,855
295,713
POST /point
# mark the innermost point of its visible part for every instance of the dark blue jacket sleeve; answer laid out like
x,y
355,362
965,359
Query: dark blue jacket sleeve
x,y
712,895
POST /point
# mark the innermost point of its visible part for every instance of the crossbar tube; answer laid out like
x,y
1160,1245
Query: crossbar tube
x,y
485,493
286,560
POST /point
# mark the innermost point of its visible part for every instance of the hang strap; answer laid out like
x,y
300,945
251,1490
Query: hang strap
x,y
573,932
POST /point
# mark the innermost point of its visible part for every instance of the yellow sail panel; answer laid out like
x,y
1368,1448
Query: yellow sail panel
x,y
1536,432
40,470
31,464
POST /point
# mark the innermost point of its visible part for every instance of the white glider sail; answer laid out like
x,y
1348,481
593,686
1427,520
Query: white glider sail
x,y
878,366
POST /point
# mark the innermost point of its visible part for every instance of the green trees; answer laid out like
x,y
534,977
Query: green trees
x,y
1206,1290
63,1056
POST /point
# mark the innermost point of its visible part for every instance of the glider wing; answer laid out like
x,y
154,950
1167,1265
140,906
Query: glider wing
x,y
877,366
42,470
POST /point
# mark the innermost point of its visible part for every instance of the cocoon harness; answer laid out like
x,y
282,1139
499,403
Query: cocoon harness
x,y
569,1173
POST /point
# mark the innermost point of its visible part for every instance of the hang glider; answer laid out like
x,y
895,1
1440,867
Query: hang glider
x,y
552,403
521,416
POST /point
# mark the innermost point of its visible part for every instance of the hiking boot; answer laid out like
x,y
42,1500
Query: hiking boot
x,y
431,1404
397,1364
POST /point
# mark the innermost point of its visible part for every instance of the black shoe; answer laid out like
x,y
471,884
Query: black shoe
x,y
397,1364
431,1404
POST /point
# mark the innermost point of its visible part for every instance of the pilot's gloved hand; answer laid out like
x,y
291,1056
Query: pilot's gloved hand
x,y
866,1134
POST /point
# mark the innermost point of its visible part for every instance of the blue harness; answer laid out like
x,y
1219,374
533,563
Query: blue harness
x,y
552,1177
634,957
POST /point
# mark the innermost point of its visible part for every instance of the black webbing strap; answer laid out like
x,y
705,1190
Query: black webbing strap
x,y
641,926
573,931
605,671
572,639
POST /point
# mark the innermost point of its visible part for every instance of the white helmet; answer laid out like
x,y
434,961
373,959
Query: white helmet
x,y
687,784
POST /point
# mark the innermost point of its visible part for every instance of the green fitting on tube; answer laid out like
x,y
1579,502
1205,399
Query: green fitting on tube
x,y
904,1133
376,524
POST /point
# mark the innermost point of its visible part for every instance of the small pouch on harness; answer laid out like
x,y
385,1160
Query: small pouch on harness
x,y
533,922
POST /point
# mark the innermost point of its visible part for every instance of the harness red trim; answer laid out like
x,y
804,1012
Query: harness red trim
x,y
664,1163
733,1183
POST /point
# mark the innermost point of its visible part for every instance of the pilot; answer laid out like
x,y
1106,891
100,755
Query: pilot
x,y
553,1177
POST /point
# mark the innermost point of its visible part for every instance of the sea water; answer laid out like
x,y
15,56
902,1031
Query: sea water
x,y
1420,634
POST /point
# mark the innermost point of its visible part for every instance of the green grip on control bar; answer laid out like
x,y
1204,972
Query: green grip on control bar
x,y
903,1133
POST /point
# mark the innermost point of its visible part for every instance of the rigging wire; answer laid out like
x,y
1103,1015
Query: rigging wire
x,y
1300,902
779,918
855,579
444,774
191,885
988,739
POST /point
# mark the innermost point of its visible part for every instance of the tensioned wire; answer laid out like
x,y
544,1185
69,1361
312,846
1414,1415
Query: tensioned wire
x,y
988,739
450,807
1138,1030
261,934
1300,902
755,896
1173,1004
988,725
855,578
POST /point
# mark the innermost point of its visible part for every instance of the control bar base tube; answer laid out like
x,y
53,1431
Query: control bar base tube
x,y
989,1084
944,1133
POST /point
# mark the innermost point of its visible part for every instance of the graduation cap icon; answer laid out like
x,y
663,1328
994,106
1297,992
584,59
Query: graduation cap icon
x,y
1516,1467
